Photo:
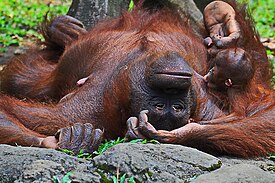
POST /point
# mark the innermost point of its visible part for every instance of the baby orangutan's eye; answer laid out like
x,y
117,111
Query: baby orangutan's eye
x,y
159,106
211,71
177,107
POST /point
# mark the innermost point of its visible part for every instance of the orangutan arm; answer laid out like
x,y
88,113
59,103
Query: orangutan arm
x,y
14,133
244,138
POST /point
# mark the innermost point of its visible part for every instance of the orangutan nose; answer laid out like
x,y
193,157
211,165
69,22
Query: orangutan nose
x,y
169,72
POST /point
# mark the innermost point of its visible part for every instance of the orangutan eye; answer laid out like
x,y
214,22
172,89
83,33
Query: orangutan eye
x,y
177,107
159,106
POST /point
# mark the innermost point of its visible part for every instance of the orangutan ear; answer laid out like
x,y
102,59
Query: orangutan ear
x,y
228,82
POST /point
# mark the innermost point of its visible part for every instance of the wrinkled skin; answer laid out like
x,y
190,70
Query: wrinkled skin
x,y
63,31
143,68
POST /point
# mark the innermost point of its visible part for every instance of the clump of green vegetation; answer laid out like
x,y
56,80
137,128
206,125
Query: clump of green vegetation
x,y
270,167
131,5
104,146
65,179
108,144
122,179
19,19
272,156
263,12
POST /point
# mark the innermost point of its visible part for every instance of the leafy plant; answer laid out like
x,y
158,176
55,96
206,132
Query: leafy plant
x,y
69,152
263,13
19,19
131,5
108,144
145,141
122,179
81,154
272,156
270,167
104,146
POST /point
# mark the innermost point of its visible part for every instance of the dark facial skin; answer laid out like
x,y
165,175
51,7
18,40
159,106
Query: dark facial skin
x,y
168,95
213,78
232,68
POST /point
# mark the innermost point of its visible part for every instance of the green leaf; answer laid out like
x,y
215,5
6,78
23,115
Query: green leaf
x,y
3,49
66,178
114,179
69,152
131,180
137,141
55,179
21,16
131,5
154,141
122,179
145,141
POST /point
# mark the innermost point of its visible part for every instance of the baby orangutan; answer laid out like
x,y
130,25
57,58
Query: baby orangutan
x,y
232,69
230,75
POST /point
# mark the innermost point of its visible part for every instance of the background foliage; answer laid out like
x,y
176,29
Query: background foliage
x,y
19,19
263,12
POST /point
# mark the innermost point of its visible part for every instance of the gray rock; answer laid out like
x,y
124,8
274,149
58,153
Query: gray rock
x,y
239,173
269,43
145,162
41,171
21,50
270,46
28,164
157,162
7,55
259,162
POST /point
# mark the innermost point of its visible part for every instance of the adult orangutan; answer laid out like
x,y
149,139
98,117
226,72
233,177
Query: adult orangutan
x,y
148,61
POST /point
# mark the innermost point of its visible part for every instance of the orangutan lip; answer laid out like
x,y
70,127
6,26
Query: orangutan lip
x,y
176,74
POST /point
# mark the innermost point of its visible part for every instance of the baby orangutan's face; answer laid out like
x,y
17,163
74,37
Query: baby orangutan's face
x,y
215,79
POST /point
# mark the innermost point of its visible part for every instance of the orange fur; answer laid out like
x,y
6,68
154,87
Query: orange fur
x,y
108,54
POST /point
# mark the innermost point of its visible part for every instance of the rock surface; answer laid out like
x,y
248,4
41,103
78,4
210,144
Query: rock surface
x,y
151,162
269,43
145,162
237,173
